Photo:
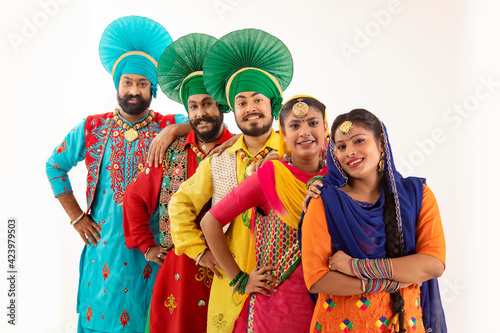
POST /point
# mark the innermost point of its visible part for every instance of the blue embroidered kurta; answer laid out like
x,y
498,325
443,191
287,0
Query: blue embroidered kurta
x,y
116,283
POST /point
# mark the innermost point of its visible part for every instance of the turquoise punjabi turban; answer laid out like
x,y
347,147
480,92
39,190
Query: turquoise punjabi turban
x,y
133,45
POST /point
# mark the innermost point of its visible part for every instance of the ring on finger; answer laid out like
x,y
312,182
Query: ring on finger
x,y
159,255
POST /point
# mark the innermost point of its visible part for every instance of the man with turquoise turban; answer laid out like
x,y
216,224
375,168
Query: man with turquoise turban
x,y
182,287
247,69
115,283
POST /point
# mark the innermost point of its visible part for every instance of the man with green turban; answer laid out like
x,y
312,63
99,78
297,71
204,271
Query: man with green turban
x,y
115,283
247,69
182,287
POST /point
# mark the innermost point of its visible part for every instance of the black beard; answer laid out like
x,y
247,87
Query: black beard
x,y
253,130
210,134
136,108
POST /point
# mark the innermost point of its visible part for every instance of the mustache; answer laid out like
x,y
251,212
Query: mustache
x,y
208,119
127,98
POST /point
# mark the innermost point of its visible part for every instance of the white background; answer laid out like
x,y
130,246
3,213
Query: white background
x,y
428,69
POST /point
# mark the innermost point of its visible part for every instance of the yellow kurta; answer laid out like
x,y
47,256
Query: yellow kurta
x,y
224,307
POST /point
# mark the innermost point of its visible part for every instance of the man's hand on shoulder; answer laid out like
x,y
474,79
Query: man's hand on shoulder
x,y
163,140
223,146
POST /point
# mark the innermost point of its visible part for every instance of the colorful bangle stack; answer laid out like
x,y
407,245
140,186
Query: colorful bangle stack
x,y
382,285
239,283
372,268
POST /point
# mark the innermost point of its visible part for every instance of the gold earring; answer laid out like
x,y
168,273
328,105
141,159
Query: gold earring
x,y
381,164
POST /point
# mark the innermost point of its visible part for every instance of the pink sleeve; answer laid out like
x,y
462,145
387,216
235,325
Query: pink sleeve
x,y
247,195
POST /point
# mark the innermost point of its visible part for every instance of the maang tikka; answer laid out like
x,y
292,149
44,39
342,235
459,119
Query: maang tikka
x,y
346,127
300,109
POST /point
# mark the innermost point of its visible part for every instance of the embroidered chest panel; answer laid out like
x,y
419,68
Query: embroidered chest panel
x,y
174,174
126,158
96,134
276,244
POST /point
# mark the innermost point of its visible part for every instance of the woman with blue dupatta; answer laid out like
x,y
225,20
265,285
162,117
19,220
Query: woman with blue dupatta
x,y
373,243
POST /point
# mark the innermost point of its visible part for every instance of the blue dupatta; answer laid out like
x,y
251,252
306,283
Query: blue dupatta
x,y
359,230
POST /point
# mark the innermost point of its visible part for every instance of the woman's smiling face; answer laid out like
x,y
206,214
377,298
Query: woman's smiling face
x,y
358,152
305,136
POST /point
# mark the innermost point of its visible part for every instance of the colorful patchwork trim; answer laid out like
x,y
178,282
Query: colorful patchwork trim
x,y
346,325
382,323
412,323
329,305
363,303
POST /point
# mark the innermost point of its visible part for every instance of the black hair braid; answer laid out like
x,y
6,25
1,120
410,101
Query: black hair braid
x,y
393,249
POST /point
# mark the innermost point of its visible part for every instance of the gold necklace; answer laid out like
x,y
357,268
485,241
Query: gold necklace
x,y
131,132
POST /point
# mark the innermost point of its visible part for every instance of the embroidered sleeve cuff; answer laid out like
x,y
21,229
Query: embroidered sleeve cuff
x,y
60,185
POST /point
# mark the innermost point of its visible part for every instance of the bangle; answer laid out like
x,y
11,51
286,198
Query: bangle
x,y
309,182
372,268
362,286
78,219
236,278
382,285
239,283
146,253
198,258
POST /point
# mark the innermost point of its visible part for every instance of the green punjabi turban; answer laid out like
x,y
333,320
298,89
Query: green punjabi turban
x,y
133,45
248,60
180,69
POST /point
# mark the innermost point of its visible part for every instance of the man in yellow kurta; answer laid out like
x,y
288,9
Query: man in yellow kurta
x,y
253,89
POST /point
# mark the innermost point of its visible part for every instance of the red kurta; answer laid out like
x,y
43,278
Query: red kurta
x,y
181,291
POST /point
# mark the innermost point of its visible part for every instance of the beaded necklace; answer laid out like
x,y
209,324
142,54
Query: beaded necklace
x,y
199,153
131,132
250,161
